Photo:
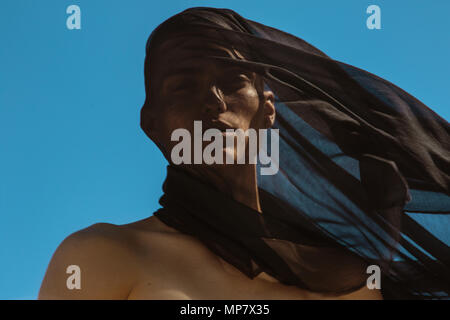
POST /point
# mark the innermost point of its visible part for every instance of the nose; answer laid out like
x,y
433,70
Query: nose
x,y
214,101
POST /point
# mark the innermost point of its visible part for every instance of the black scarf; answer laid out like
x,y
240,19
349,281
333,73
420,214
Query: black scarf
x,y
364,167
294,252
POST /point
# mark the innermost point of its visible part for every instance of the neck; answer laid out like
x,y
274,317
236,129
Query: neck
x,y
238,181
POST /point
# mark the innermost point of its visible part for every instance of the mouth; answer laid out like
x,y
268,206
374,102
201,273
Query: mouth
x,y
218,124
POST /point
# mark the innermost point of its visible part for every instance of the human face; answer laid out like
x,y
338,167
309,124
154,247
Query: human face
x,y
190,87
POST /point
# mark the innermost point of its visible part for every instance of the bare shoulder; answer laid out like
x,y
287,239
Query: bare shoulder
x,y
101,257
112,259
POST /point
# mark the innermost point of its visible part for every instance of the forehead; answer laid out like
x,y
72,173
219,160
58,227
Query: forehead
x,y
189,54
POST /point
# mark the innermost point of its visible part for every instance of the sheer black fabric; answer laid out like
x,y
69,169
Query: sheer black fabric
x,y
364,167
296,254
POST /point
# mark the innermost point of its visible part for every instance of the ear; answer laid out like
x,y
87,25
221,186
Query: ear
x,y
269,108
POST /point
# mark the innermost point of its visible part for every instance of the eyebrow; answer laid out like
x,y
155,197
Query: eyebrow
x,y
180,72
174,71
177,72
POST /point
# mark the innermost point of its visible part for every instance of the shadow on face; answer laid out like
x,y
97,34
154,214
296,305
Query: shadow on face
x,y
187,85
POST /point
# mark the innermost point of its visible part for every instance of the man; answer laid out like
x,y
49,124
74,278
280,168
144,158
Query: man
x,y
149,260
220,234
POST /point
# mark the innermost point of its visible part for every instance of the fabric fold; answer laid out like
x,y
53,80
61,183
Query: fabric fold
x,y
356,153
254,242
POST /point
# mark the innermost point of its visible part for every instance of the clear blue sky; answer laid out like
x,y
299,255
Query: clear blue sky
x,y
71,150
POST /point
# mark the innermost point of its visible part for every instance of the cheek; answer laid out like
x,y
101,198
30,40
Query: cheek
x,y
170,120
245,104
179,113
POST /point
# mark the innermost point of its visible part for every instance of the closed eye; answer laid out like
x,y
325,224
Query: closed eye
x,y
180,84
234,81
180,87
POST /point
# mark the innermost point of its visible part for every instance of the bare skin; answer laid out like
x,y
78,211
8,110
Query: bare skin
x,y
150,260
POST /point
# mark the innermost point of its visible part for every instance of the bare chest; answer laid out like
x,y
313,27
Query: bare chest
x,y
183,268
211,283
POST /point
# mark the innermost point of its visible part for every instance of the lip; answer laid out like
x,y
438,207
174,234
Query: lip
x,y
218,124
